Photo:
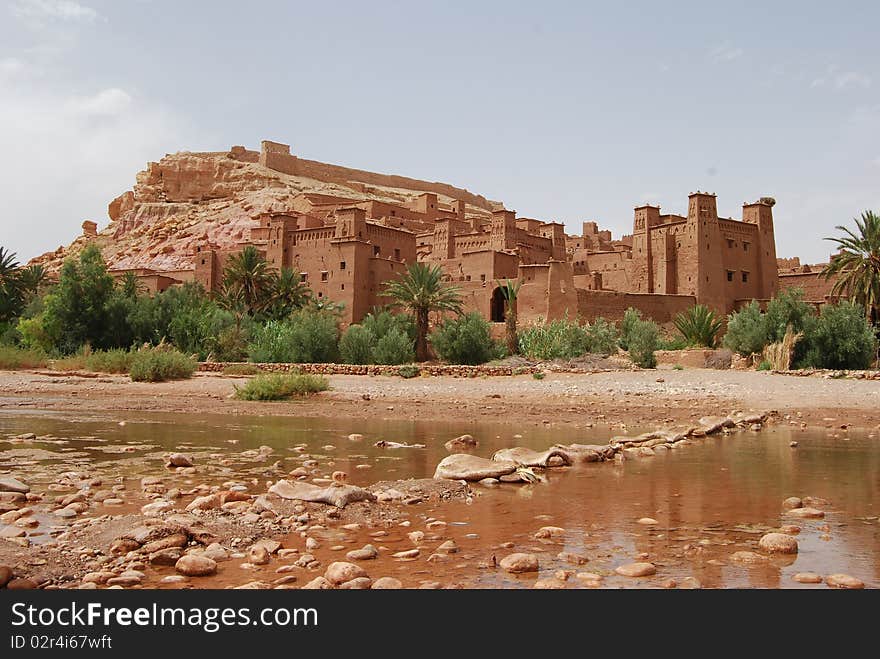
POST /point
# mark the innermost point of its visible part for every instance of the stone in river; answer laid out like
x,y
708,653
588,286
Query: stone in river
x,y
843,581
258,555
387,583
792,502
10,484
778,543
640,569
179,460
808,577
318,583
367,553
519,563
550,532
340,572
805,513
193,565
647,521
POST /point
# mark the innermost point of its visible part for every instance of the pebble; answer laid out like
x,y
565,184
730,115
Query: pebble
x,y
808,577
640,569
408,554
341,572
806,513
843,581
648,521
367,553
550,532
792,502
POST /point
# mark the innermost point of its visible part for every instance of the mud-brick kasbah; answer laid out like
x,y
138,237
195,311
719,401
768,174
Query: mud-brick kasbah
x,y
349,231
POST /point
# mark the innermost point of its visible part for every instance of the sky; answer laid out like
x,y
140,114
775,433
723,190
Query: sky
x,y
566,111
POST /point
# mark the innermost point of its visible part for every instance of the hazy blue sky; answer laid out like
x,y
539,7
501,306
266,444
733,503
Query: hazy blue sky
x,y
564,110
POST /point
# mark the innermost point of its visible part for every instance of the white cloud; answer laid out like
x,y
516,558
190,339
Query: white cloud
x,y
46,10
109,102
11,66
725,53
852,79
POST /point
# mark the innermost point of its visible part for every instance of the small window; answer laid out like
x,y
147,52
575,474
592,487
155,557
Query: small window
x,y
342,265
376,250
730,243
745,277
468,278
482,277
203,261
304,276
342,287
730,275
320,294
745,247
396,254
324,276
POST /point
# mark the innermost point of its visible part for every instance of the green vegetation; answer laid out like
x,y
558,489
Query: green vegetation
x,y
394,347
842,339
159,364
630,317
538,375
278,386
765,366
678,367
746,330
642,341
567,339
421,290
381,338
409,371
510,291
857,265
356,345
699,326
466,339
602,337
13,357
305,337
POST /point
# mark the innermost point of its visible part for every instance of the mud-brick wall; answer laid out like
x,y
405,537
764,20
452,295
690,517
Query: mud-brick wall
x,y
611,305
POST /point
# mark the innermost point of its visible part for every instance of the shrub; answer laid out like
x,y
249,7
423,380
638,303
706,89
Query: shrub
x,y
241,369
699,326
678,367
765,366
12,358
788,310
230,345
630,318
671,343
356,345
160,364
746,330
409,371
308,336
842,339
538,375
602,337
395,347
642,341
281,386
464,340
110,361
779,354
557,339
381,322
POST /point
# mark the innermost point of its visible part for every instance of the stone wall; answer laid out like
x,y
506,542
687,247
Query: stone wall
x,y
377,369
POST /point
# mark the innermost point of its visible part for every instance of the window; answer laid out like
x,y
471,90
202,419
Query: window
x,y
745,247
304,276
745,277
482,277
342,287
376,250
320,294
730,243
396,254
730,275
324,275
342,265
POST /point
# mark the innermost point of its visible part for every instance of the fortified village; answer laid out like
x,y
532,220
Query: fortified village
x,y
348,232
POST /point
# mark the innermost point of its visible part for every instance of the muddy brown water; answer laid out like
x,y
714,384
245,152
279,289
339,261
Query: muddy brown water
x,y
709,500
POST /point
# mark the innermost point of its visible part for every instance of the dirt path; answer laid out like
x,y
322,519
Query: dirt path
x,y
630,397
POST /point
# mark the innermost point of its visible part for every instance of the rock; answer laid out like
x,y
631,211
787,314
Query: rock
x,y
169,541
793,444
179,460
790,529
5,575
747,557
359,583
805,513
367,553
549,584
312,544
10,484
173,579
550,532
778,543
647,521
156,507
258,555
529,458
355,437
194,565
807,577
335,495
640,569
843,581
461,443
207,502
318,583
519,563
340,572
168,556
416,537
448,547
22,584
792,502
591,578
215,552
816,502
408,554
570,557
463,466
691,583
271,546
386,583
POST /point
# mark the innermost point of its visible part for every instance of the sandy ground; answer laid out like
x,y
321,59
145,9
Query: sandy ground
x,y
629,397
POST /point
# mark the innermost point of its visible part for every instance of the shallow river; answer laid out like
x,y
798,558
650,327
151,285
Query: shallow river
x,y
710,500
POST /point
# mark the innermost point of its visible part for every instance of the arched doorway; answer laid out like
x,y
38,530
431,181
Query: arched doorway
x,y
497,307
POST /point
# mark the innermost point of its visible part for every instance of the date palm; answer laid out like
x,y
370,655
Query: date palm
x,y
510,291
856,268
421,290
287,293
231,297
699,326
250,271
10,286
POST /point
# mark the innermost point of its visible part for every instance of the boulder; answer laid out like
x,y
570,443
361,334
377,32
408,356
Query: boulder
x,y
386,583
640,569
179,460
10,484
461,443
341,572
462,466
586,452
843,581
194,565
335,495
805,513
529,458
367,553
519,563
778,543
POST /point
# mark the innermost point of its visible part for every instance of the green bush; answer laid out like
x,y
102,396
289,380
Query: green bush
x,y
356,345
464,340
602,337
230,345
842,339
538,375
394,347
788,309
557,339
379,322
241,369
642,341
699,326
666,342
409,371
278,386
158,365
678,367
765,366
630,317
110,361
308,336
746,330
13,358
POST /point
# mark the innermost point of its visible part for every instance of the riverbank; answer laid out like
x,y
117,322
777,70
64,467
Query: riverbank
x,y
632,398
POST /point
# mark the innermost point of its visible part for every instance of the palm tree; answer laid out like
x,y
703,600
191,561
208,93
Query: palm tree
x,y
231,298
699,326
857,266
10,286
287,293
249,270
421,290
510,291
